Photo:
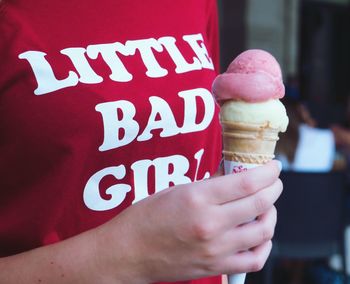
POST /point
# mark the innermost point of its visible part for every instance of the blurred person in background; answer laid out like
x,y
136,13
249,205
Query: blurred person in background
x,y
304,146
342,139
342,131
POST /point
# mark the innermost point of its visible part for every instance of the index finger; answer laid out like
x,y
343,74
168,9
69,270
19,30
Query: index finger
x,y
231,187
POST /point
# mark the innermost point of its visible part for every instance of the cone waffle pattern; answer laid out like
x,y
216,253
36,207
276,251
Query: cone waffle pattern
x,y
247,143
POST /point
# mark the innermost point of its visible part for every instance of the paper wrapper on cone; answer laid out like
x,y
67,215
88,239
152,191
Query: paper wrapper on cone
x,y
247,145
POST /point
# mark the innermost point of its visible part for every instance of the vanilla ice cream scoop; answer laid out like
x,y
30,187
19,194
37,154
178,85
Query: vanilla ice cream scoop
x,y
270,113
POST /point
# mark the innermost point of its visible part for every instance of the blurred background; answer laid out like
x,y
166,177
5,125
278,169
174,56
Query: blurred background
x,y
311,41
309,38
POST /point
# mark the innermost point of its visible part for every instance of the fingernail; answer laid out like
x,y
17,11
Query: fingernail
x,y
279,164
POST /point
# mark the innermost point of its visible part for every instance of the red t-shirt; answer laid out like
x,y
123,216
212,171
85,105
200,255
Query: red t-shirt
x,y
101,105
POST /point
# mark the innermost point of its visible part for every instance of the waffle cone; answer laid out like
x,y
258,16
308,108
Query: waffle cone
x,y
248,143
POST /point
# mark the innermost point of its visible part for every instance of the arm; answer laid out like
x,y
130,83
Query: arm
x,y
70,261
188,231
341,135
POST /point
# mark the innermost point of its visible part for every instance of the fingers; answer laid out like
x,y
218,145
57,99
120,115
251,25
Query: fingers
x,y
246,209
248,261
231,187
248,236
254,233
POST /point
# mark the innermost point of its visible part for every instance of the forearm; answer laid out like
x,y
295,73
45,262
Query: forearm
x,y
69,261
174,235
96,256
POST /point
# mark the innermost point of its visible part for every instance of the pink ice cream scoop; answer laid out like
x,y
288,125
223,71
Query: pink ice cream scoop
x,y
253,76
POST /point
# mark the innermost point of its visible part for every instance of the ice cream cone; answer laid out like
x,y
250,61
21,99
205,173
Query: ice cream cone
x,y
251,113
248,143
246,146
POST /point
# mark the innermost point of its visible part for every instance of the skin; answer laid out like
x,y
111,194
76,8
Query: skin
x,y
341,135
187,231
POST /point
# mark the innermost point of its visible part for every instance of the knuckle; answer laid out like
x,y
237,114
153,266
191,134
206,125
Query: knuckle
x,y
279,185
259,258
261,203
203,230
257,264
244,244
267,233
210,254
191,200
274,215
212,267
247,185
274,212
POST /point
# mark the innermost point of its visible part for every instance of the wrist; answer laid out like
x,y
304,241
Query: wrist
x,y
116,256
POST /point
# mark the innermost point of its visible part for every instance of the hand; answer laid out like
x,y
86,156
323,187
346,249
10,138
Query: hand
x,y
341,135
193,230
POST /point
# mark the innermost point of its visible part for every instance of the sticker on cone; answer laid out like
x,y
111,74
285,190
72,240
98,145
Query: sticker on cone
x,y
233,167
